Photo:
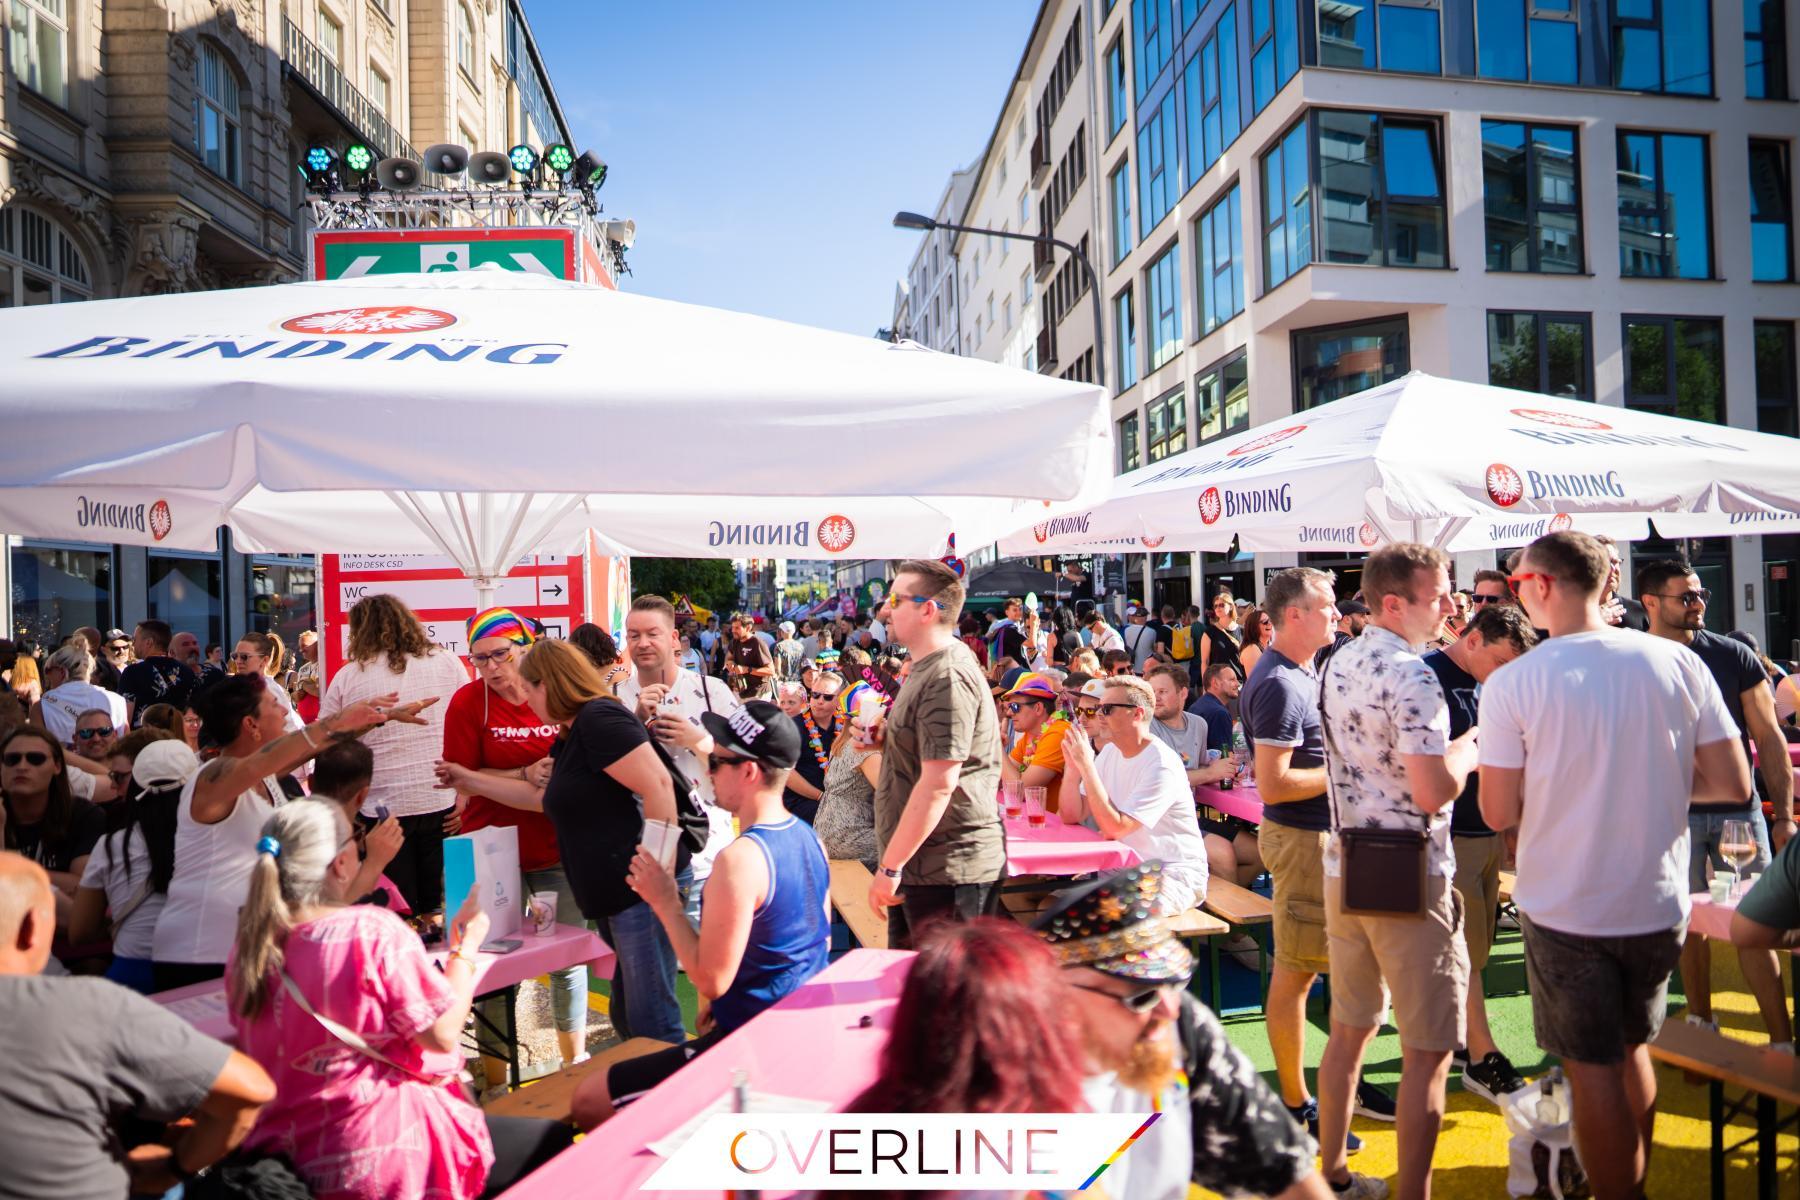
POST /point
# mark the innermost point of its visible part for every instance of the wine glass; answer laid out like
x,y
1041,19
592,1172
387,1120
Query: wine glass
x,y
1738,848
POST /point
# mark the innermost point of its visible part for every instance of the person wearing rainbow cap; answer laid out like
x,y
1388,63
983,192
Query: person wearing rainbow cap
x,y
845,821
1036,758
490,729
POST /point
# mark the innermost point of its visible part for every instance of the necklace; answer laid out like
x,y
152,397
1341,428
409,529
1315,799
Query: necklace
x,y
817,742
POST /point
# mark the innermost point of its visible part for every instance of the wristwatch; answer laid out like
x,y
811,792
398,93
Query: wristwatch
x,y
890,872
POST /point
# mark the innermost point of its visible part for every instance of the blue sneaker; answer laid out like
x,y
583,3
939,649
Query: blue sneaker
x,y
1308,1115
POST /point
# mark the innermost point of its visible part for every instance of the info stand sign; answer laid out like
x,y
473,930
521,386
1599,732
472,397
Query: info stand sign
x,y
549,587
560,252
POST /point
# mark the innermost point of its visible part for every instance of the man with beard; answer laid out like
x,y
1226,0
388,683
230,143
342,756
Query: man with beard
x,y
1151,1047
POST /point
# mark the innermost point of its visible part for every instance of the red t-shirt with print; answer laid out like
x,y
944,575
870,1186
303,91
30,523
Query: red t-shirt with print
x,y
482,729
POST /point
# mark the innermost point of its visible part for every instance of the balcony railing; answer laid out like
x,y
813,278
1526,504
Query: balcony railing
x,y
1046,350
1040,157
313,66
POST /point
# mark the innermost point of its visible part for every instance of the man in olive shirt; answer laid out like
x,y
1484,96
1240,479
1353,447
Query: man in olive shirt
x,y
937,826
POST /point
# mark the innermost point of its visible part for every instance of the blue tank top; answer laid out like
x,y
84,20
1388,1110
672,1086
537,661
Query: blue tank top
x,y
789,935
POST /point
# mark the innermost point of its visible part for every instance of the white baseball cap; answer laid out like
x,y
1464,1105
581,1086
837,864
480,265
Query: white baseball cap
x,y
167,763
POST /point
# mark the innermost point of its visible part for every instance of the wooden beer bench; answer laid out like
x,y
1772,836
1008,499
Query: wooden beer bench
x,y
1768,1078
550,1098
850,882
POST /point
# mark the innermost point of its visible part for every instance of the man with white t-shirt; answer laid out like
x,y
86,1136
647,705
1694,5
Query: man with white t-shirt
x,y
1602,817
1137,792
670,700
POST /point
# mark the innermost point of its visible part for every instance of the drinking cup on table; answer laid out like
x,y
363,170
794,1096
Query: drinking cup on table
x,y
1035,814
1012,798
1720,887
543,913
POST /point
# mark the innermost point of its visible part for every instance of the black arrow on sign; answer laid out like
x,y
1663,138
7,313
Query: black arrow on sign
x,y
555,591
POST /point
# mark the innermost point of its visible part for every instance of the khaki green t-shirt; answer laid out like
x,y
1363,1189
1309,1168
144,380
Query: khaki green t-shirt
x,y
945,713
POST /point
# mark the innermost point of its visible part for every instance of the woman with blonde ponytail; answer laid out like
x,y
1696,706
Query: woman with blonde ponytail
x,y
362,1032
263,654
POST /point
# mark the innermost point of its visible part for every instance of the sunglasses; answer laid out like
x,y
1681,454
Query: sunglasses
x,y
1088,710
1688,599
491,657
1107,710
119,647
1513,581
921,601
1480,599
244,656
823,695
1136,1002
119,778
13,758
718,762
90,734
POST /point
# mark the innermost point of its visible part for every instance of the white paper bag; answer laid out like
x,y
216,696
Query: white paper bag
x,y
487,860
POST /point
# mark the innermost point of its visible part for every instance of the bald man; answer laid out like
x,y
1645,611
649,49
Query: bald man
x,y
83,1052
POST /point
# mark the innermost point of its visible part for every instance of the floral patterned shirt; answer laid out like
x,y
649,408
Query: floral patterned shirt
x,y
1380,703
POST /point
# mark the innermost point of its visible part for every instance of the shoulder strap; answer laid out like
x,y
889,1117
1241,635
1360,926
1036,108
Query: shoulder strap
x,y
130,906
353,1039
1330,746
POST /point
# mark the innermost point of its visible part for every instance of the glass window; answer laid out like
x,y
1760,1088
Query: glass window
x,y
1663,46
1549,353
1222,398
331,37
1532,180
1120,188
1771,213
1129,459
1157,156
39,47
1409,39
1220,278
57,590
1148,22
378,90
1118,107
1341,360
1274,49
1676,366
1210,85
1163,291
216,126
1168,425
1125,338
1287,208
1665,226
1346,34
39,263
282,597
1025,286
1527,39
1765,50
1381,196
1777,405
185,591
465,42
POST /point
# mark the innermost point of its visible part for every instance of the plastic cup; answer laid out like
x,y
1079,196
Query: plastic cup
x,y
1035,814
543,913
1012,798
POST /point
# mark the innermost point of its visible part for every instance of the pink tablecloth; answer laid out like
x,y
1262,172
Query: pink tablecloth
x,y
813,1045
1243,801
1059,849
203,1006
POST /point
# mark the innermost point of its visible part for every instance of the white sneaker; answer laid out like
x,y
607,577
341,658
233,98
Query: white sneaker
x,y
1360,1187
1703,1022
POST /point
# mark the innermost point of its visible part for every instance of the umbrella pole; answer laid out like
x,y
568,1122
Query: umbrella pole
x,y
485,587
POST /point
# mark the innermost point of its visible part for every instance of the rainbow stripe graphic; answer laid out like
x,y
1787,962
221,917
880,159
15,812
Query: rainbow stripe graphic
x,y
1115,1155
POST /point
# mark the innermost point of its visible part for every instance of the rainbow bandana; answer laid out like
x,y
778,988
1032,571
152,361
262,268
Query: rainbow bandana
x,y
501,623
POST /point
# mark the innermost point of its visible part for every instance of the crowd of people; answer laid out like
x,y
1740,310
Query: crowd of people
x,y
170,820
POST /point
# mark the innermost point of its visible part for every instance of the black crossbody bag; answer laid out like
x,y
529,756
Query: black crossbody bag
x,y
1382,870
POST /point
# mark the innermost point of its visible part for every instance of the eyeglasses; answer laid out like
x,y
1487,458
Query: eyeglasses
x,y
119,647
1107,710
921,601
1688,599
98,732
1514,581
1087,710
119,778
1137,1002
823,695
244,656
13,758
491,657
718,762
1478,598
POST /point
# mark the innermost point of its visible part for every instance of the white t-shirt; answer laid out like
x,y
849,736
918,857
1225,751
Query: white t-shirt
x,y
64,704
1140,640
405,782
1105,637
1605,725
1162,1160
1152,788
691,701
133,938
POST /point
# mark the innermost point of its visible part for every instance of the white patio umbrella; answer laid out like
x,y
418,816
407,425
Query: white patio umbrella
x,y
485,414
1461,465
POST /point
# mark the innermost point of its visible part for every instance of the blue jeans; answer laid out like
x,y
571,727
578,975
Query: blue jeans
x,y
1704,831
643,982
568,986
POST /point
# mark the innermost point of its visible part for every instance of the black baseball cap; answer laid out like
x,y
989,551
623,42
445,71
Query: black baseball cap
x,y
758,730
1353,608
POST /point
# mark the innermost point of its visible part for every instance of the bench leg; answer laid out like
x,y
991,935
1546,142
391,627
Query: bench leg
x,y
512,1023
1218,989
1715,1111
1765,1148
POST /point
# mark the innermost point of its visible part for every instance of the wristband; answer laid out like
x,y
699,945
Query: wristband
x,y
890,872
306,732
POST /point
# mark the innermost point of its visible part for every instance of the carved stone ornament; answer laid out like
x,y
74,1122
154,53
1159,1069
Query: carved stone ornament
x,y
165,254
183,53
62,196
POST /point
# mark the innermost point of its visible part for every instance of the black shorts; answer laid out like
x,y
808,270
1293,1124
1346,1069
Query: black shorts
x,y
1227,828
1595,997
628,1080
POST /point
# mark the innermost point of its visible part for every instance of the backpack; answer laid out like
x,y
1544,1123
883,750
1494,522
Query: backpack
x,y
690,813
1181,642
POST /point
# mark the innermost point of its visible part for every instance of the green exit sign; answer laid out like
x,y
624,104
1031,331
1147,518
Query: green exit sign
x,y
351,254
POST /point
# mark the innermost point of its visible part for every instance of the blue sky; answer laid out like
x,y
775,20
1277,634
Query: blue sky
x,y
763,149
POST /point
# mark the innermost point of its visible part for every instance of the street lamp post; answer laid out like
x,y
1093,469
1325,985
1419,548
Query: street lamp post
x,y
912,220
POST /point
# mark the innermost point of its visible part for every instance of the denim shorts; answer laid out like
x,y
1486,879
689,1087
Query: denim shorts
x,y
1593,997
1704,831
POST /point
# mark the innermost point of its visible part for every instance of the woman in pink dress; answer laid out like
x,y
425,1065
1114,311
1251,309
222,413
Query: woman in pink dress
x,y
361,1031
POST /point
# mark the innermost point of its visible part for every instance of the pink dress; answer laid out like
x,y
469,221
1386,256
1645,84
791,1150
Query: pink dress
x,y
354,1128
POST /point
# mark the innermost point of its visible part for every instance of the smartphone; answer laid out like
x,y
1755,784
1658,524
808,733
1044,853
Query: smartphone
x,y
381,812
501,946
